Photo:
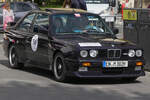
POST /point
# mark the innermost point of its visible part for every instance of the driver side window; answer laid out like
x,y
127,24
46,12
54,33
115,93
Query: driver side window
x,y
41,24
25,25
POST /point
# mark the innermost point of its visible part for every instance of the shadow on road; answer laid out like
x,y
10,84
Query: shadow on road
x,y
4,62
72,80
100,81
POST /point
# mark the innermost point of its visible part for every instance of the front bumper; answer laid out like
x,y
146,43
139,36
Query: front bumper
x,y
102,75
96,70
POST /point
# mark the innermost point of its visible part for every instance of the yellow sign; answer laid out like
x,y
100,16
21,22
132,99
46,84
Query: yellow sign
x,y
129,14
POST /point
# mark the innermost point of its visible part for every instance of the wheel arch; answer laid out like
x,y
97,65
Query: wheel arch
x,y
21,58
56,52
9,45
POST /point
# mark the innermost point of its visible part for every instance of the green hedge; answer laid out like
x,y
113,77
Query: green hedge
x,y
49,2
50,6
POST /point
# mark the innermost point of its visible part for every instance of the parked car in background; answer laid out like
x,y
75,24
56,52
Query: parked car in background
x,y
19,8
1,3
72,42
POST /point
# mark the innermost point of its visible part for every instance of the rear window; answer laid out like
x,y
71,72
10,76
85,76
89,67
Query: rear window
x,y
26,7
21,7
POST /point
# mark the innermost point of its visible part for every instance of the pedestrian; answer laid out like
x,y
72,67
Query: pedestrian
x,y
77,4
148,6
67,4
82,4
122,8
8,15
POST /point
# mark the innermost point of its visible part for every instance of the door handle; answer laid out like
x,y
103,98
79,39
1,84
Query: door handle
x,y
27,40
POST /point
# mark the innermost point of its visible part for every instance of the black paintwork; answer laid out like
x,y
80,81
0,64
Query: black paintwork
x,y
50,44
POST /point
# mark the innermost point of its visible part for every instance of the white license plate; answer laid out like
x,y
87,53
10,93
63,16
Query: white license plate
x,y
112,64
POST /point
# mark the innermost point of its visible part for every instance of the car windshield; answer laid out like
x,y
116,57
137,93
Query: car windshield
x,y
79,24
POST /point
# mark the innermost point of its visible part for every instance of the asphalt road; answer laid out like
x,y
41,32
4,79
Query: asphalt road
x,y
36,84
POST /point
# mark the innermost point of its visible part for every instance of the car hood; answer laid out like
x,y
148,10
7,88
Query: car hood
x,y
93,41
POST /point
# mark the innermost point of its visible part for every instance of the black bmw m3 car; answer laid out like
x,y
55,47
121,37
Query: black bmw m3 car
x,y
72,43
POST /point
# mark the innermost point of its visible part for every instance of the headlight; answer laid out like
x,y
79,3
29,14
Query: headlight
x,y
93,53
138,53
84,53
131,53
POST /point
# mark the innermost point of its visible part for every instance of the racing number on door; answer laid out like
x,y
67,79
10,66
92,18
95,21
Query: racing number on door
x,y
34,43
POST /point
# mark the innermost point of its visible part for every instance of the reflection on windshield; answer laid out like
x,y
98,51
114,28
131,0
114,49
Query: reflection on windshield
x,y
78,24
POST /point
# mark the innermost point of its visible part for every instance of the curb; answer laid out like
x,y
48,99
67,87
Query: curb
x,y
1,37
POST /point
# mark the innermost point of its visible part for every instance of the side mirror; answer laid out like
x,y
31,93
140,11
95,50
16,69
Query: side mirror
x,y
43,30
115,31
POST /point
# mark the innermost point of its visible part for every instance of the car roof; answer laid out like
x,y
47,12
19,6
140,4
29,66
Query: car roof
x,y
60,11
64,10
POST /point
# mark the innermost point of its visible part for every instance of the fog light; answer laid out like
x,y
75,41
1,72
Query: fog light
x,y
139,63
83,69
86,64
138,68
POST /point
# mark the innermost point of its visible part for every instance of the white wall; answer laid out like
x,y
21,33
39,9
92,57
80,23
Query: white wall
x,y
130,3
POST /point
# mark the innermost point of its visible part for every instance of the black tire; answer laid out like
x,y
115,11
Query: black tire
x,y
130,79
59,68
13,58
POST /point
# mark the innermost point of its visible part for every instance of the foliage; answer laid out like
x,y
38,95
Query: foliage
x,y
49,2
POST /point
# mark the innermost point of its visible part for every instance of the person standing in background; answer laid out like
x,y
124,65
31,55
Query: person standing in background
x,y
82,4
77,4
148,6
122,7
67,4
8,15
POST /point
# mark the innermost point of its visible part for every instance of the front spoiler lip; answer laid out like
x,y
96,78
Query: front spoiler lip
x,y
77,74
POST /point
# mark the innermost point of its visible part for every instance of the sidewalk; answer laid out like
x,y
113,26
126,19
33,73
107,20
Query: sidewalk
x,y
119,25
1,38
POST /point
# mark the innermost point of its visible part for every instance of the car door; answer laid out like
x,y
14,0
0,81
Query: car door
x,y
24,28
40,30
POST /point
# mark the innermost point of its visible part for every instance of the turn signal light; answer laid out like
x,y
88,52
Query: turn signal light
x,y
139,63
86,64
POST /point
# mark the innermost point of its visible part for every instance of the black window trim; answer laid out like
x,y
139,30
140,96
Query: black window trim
x,y
35,19
23,20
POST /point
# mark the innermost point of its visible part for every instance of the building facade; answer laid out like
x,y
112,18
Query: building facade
x,y
136,3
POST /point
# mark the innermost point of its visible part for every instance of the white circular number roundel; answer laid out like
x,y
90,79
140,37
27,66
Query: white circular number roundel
x,y
34,43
